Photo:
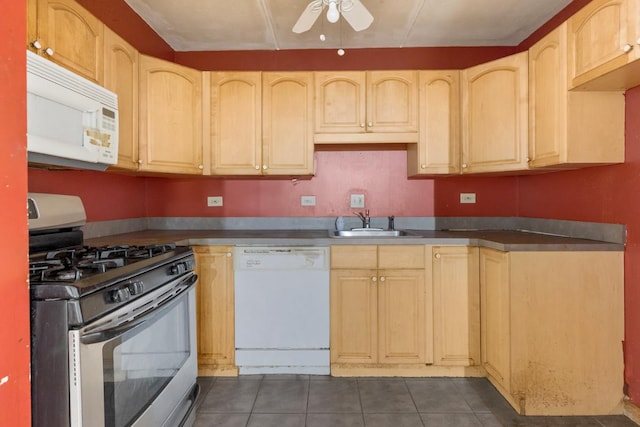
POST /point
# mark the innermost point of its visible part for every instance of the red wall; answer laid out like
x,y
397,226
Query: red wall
x,y
15,402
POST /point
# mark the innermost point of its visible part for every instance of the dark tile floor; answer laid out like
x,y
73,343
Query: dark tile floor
x,y
321,401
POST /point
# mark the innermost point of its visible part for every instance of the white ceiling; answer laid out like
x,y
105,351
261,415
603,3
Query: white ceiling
x,y
211,25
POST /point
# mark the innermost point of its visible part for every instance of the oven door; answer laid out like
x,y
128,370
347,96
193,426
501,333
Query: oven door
x,y
138,365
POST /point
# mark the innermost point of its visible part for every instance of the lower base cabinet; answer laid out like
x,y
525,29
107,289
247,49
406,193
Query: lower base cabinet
x,y
215,311
552,330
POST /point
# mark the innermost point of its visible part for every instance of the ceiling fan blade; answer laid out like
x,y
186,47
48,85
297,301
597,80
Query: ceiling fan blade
x,y
358,16
308,17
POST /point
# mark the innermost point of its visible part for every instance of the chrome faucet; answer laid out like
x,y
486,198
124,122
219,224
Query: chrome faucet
x,y
366,221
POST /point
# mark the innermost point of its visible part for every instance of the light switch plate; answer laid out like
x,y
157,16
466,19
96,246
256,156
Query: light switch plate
x,y
357,200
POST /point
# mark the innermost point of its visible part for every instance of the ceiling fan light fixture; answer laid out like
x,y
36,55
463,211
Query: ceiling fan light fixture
x,y
333,14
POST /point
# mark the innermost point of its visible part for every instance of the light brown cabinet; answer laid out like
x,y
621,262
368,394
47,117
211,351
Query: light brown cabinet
x,y
261,123
569,129
354,107
495,115
604,45
552,328
380,305
68,34
170,118
456,306
121,77
438,148
215,311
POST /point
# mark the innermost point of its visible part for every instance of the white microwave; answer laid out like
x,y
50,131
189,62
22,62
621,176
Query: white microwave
x,y
71,121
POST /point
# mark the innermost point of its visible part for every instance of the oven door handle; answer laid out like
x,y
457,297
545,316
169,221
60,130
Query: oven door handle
x,y
152,311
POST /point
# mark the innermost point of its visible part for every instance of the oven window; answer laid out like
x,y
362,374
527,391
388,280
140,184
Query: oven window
x,y
139,364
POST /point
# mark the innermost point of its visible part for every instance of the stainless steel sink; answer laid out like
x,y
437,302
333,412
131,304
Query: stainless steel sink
x,y
368,232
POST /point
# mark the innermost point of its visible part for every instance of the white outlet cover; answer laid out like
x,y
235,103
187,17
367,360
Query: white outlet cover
x,y
307,200
467,197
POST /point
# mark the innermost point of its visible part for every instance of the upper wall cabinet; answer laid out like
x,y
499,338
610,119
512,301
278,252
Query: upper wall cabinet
x,y
170,117
67,34
121,77
569,129
604,42
438,150
355,107
494,115
261,123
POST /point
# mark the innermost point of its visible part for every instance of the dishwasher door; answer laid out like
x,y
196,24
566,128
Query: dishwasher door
x,y
282,310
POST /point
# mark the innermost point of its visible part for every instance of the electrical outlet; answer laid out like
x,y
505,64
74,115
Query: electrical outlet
x,y
307,200
214,201
467,197
357,200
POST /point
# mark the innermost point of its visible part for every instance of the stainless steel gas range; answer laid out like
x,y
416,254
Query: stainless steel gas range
x,y
112,328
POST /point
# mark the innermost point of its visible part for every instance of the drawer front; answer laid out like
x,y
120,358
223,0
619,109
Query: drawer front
x,y
401,256
354,256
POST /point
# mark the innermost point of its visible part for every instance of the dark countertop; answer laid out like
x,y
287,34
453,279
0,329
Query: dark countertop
x,y
500,240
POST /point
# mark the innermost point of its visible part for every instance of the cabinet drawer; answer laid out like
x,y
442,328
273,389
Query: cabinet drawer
x,y
354,257
405,256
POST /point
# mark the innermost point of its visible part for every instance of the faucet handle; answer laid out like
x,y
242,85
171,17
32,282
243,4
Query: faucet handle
x,y
391,223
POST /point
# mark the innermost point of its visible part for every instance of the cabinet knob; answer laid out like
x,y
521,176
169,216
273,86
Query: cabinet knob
x,y
361,125
374,279
228,254
36,44
139,161
264,167
370,124
200,167
464,166
382,278
438,256
423,166
257,167
49,51
638,41
627,48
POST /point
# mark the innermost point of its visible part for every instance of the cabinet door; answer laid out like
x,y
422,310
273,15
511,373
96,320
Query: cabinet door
x,y
287,123
214,310
69,35
170,117
121,77
456,313
495,315
495,115
340,101
236,123
402,316
603,36
354,316
438,150
392,101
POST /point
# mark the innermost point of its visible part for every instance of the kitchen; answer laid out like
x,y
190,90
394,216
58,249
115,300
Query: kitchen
x,y
593,194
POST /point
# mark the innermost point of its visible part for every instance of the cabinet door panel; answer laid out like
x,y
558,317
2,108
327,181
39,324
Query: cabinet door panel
x,y
236,123
402,323
121,77
495,115
170,117
392,101
74,34
287,134
340,102
456,306
354,316
495,314
214,310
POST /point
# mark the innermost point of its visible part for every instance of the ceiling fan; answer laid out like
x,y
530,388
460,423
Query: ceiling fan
x,y
353,11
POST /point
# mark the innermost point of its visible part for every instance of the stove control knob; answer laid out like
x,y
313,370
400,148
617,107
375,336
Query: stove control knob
x,y
178,268
136,287
120,295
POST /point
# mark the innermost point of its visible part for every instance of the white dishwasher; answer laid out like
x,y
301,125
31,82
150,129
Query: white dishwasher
x,y
282,309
